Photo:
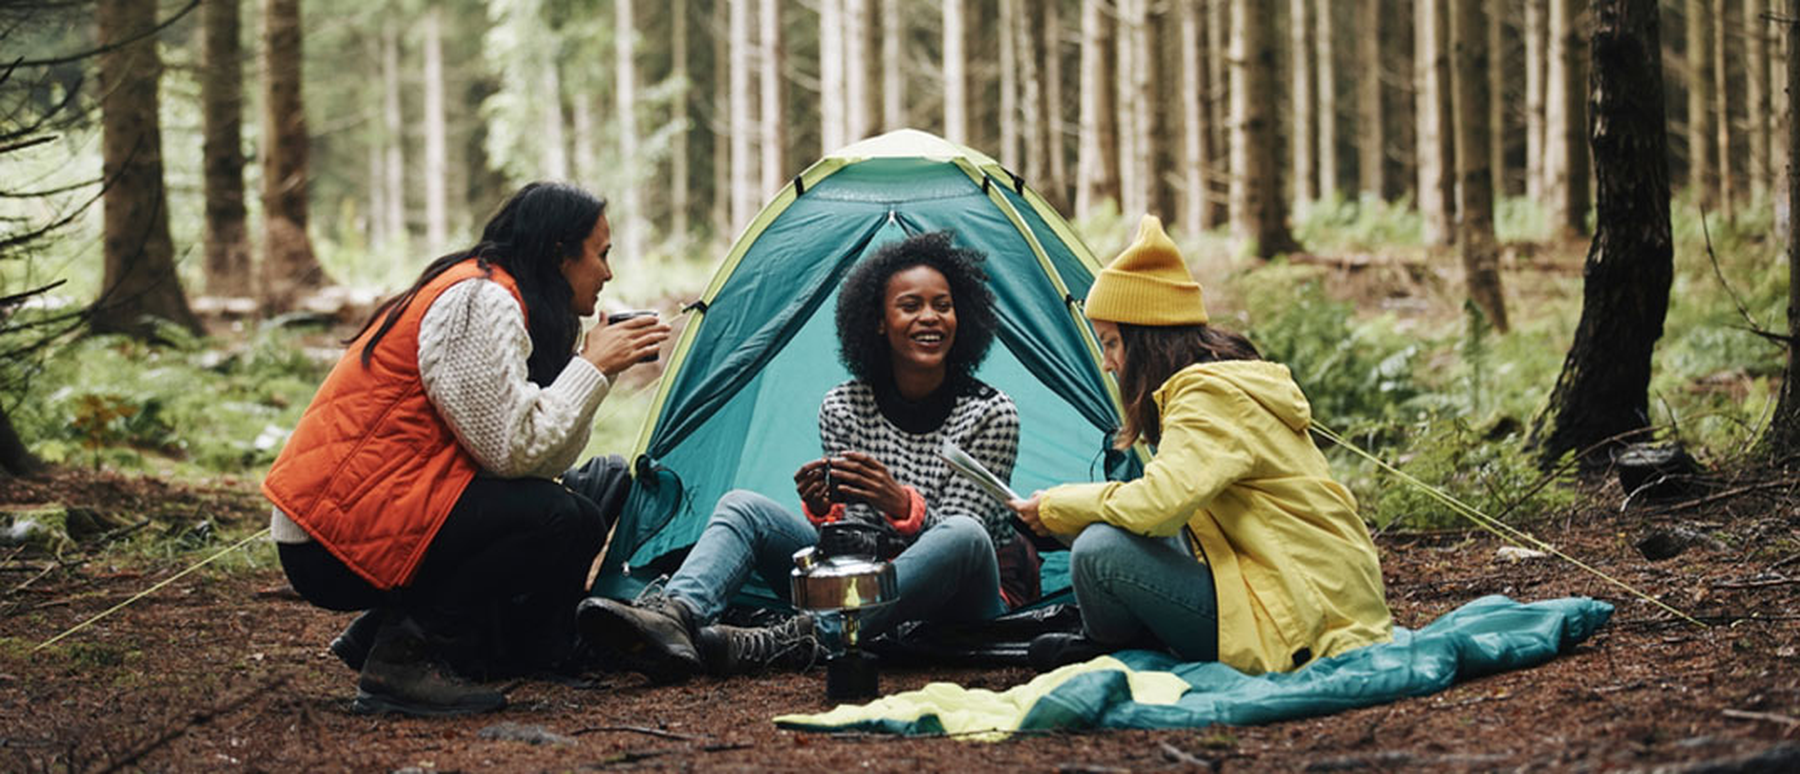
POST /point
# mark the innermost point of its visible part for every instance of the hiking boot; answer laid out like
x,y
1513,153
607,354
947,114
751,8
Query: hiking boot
x,y
402,676
653,637
791,645
1055,649
352,646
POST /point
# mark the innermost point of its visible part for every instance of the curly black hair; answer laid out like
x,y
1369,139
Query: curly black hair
x,y
862,348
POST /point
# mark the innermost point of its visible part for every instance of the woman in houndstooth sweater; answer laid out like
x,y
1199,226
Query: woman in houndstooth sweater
x,y
914,322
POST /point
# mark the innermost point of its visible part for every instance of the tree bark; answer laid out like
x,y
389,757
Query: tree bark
x,y
1056,188
1756,99
628,219
956,86
1326,83
1371,138
1498,99
1783,436
140,280
1009,83
1303,139
680,197
222,106
856,70
1136,62
893,66
743,119
1535,49
1603,390
1196,162
289,267
1475,222
1034,115
1722,121
1567,90
1097,161
719,127
437,162
1437,135
774,98
393,133
1702,176
16,460
1258,213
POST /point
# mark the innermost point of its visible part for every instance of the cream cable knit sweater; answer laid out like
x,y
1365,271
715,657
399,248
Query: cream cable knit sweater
x,y
472,351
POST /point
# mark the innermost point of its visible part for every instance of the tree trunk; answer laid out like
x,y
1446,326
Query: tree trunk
x,y
1783,436
1702,177
1603,390
1258,214
719,127
1535,49
1567,144
1781,119
1326,83
893,66
1498,99
679,196
393,133
1097,162
289,267
1136,62
1475,221
437,162
1218,23
1722,120
1009,84
956,85
743,120
1437,135
1756,98
140,280
222,108
1193,117
1371,140
1304,136
774,98
628,219
16,460
856,70
1033,117
1056,188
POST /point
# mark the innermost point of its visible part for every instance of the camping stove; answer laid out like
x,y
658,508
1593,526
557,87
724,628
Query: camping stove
x,y
844,574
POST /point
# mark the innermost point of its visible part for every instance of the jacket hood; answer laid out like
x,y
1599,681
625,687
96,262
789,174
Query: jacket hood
x,y
1270,385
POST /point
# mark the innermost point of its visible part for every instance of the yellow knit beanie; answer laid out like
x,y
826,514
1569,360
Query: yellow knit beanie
x,y
1148,284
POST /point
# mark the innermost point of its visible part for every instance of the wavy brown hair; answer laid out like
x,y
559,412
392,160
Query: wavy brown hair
x,y
1153,353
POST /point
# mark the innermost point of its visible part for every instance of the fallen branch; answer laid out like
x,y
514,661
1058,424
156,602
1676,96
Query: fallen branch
x,y
1761,584
641,730
1764,716
1175,754
1730,493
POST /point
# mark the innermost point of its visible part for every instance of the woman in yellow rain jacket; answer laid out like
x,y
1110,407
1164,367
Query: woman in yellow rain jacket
x,y
1235,545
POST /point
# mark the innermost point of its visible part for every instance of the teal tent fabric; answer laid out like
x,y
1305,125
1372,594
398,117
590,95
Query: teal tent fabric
x,y
1489,635
738,406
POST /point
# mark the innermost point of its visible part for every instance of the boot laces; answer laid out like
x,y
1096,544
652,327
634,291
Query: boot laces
x,y
793,641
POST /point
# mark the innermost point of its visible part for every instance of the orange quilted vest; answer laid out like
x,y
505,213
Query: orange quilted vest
x,y
372,470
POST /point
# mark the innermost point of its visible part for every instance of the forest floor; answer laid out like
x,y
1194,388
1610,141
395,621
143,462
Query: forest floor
x,y
227,670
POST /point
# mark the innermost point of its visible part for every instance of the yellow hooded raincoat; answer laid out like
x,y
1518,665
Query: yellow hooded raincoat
x,y
1296,574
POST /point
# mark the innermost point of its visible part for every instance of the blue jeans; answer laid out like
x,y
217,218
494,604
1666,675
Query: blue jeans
x,y
1126,583
948,574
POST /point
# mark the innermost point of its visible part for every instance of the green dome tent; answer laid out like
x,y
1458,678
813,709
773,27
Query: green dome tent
x,y
738,405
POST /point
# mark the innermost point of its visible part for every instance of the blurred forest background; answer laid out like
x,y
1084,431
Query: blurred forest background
x,y
1394,197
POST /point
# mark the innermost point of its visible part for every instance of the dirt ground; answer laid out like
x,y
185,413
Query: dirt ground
x,y
228,671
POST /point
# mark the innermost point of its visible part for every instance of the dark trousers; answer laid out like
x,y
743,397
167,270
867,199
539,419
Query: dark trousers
x,y
497,589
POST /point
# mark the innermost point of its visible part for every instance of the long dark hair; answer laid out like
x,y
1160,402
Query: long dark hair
x,y
536,230
862,348
1153,353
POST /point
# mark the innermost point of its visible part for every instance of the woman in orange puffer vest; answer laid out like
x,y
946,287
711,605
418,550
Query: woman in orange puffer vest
x,y
418,484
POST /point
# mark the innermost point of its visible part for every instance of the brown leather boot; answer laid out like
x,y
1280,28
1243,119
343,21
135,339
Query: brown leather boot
x,y
402,675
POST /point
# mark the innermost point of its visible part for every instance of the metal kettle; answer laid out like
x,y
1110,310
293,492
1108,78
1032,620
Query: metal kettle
x,y
843,573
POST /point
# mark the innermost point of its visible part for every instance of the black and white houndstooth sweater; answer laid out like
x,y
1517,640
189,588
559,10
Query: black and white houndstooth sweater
x,y
905,437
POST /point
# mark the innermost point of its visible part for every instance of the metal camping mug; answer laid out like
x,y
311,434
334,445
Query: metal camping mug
x,y
615,318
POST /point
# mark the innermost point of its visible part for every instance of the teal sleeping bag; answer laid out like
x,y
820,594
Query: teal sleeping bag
x,y
1491,634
